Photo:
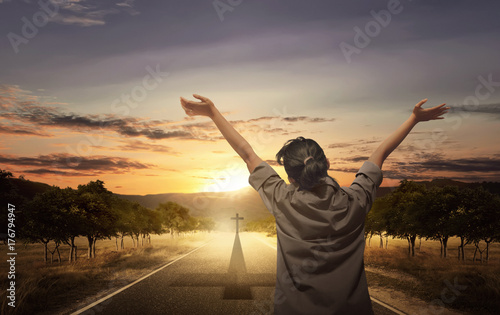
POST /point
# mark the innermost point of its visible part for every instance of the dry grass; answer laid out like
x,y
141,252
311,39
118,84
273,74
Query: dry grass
x,y
51,288
431,278
469,285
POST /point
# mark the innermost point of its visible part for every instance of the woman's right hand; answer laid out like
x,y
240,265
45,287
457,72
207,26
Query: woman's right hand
x,y
203,108
425,114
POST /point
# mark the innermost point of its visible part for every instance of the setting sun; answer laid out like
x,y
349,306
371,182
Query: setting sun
x,y
230,179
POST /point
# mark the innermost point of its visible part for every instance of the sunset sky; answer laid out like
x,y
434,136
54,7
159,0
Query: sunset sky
x,y
90,89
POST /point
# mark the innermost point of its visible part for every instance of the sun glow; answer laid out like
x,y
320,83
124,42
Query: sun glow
x,y
228,180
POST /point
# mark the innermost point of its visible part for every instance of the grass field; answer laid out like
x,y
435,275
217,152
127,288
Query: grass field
x,y
41,288
52,288
469,286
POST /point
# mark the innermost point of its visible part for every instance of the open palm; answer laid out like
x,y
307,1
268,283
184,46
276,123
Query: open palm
x,y
193,108
425,114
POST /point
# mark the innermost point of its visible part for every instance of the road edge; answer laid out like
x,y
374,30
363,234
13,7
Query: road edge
x,y
77,312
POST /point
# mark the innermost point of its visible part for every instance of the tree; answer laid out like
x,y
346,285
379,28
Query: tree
x,y
440,204
153,224
267,225
492,222
377,219
404,208
72,224
173,216
189,225
94,206
124,222
144,222
206,224
483,219
46,220
9,195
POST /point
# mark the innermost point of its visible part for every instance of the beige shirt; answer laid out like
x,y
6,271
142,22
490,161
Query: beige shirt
x,y
321,242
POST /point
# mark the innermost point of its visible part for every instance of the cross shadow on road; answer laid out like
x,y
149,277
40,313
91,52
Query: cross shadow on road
x,y
237,282
237,262
236,289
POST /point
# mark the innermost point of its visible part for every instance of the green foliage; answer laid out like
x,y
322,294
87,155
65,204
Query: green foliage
x,y
206,224
266,225
59,215
9,194
176,218
48,216
93,205
412,210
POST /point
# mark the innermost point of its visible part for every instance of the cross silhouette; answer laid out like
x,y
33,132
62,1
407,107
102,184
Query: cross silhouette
x,y
237,218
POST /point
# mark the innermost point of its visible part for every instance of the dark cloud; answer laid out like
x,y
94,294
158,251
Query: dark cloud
x,y
16,107
72,165
307,119
263,118
21,130
143,146
343,169
432,166
464,165
491,109
154,134
45,171
274,124
436,166
360,142
355,159
42,116
287,119
387,173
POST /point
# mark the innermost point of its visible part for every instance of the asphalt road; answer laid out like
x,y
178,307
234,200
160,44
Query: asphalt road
x,y
229,275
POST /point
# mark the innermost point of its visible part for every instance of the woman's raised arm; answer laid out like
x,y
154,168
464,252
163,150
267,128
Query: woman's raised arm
x,y
207,108
392,142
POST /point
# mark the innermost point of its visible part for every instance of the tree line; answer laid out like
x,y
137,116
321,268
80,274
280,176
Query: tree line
x,y
266,225
58,216
414,210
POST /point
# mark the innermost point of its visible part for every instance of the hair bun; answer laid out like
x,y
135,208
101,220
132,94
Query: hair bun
x,y
307,159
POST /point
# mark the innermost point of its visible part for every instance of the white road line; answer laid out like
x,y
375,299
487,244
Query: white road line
x,y
135,282
372,298
266,243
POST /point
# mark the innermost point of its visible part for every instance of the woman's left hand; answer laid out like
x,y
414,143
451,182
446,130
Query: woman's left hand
x,y
427,114
203,108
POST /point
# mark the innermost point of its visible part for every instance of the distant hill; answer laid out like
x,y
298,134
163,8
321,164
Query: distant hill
x,y
223,205
27,188
218,205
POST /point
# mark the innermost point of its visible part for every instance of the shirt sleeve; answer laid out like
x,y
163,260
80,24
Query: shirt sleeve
x,y
270,186
368,179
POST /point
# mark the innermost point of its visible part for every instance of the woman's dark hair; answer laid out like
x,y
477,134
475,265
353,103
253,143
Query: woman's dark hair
x,y
292,156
